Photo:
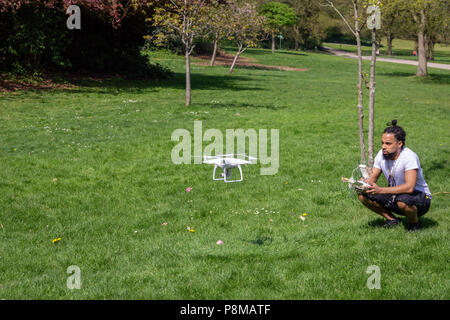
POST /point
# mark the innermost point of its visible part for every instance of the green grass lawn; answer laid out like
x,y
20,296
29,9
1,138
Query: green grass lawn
x,y
92,165
402,49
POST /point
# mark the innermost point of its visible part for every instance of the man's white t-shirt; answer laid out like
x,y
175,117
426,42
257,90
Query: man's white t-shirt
x,y
407,160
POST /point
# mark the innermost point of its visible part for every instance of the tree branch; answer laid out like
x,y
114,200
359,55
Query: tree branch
x,y
331,4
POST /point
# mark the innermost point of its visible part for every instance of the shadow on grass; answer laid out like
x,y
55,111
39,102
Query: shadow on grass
x,y
198,82
116,85
437,165
239,105
294,53
426,223
431,78
261,241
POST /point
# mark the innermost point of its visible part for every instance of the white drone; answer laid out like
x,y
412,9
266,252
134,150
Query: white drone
x,y
360,184
228,162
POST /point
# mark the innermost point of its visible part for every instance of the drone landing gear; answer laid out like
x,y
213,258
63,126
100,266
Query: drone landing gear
x,y
226,174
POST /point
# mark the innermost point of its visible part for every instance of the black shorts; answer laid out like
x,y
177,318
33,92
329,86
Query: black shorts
x,y
389,201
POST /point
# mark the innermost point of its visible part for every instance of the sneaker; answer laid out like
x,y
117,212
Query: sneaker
x,y
391,223
414,227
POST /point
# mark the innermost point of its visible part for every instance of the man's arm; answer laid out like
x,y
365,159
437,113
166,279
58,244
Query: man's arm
x,y
374,176
407,187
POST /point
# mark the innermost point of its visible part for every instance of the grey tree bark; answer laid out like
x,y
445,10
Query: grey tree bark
x,y
357,33
236,57
389,38
372,98
360,83
188,78
273,42
421,42
430,48
214,54
296,37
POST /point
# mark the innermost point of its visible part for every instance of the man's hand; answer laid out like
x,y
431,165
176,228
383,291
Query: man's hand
x,y
374,189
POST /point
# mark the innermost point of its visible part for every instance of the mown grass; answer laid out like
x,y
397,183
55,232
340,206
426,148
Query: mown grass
x,y
401,49
92,165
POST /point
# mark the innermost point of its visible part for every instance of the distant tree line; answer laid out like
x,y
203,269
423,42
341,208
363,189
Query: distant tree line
x,y
34,36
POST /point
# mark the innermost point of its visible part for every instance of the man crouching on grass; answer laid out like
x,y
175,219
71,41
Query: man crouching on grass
x,y
408,193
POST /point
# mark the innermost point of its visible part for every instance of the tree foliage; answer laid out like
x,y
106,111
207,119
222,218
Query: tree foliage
x,y
109,41
278,15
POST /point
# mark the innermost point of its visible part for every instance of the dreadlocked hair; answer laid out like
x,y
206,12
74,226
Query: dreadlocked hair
x,y
397,131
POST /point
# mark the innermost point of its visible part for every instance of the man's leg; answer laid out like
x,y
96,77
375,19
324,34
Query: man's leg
x,y
409,211
376,207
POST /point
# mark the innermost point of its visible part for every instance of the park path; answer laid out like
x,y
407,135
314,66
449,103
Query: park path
x,y
342,53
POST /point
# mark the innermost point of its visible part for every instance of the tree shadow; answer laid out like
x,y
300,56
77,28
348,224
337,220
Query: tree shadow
x,y
198,82
239,105
255,66
295,53
260,241
431,78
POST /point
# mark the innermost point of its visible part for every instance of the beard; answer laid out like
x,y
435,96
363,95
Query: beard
x,y
389,156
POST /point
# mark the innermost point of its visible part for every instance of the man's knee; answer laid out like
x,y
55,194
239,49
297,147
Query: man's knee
x,y
401,205
363,198
404,207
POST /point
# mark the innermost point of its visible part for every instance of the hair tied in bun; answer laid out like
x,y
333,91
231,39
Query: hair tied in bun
x,y
392,123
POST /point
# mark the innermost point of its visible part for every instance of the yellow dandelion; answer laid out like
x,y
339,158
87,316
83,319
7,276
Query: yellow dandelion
x,y
56,240
304,214
191,230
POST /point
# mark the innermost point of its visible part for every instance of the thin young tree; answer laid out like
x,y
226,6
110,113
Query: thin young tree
x,y
373,23
185,19
217,24
356,31
248,28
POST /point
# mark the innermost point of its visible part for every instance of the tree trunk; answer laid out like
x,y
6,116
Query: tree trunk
x,y
213,58
360,92
422,66
188,78
389,39
236,57
296,37
273,42
372,98
430,48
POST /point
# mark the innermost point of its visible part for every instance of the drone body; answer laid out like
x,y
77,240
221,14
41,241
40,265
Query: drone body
x,y
358,184
227,162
